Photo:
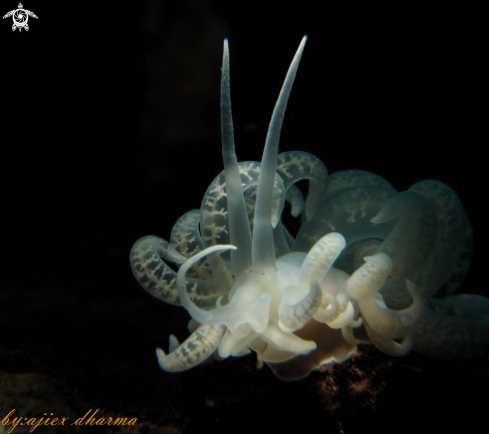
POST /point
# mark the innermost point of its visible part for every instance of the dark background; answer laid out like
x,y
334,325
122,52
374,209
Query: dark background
x,y
111,131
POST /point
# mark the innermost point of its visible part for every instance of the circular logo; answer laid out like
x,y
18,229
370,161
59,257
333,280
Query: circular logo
x,y
20,17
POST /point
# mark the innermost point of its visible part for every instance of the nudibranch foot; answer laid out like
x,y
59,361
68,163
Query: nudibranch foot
x,y
200,345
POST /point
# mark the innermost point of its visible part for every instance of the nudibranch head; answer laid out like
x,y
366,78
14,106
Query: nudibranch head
x,y
361,268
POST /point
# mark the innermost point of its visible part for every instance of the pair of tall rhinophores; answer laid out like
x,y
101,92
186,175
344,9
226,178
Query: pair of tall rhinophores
x,y
368,265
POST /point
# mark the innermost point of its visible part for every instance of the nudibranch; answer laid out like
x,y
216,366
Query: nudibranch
x,y
368,265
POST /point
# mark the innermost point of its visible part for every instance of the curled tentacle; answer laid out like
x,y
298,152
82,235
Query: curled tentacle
x,y
199,315
197,347
173,343
344,318
321,257
294,316
395,323
388,345
151,272
450,259
288,342
364,285
349,212
411,242
185,238
352,199
365,282
330,312
347,332
294,166
154,275
296,200
314,267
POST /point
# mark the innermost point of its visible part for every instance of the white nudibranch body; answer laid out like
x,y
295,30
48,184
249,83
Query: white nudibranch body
x,y
362,268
